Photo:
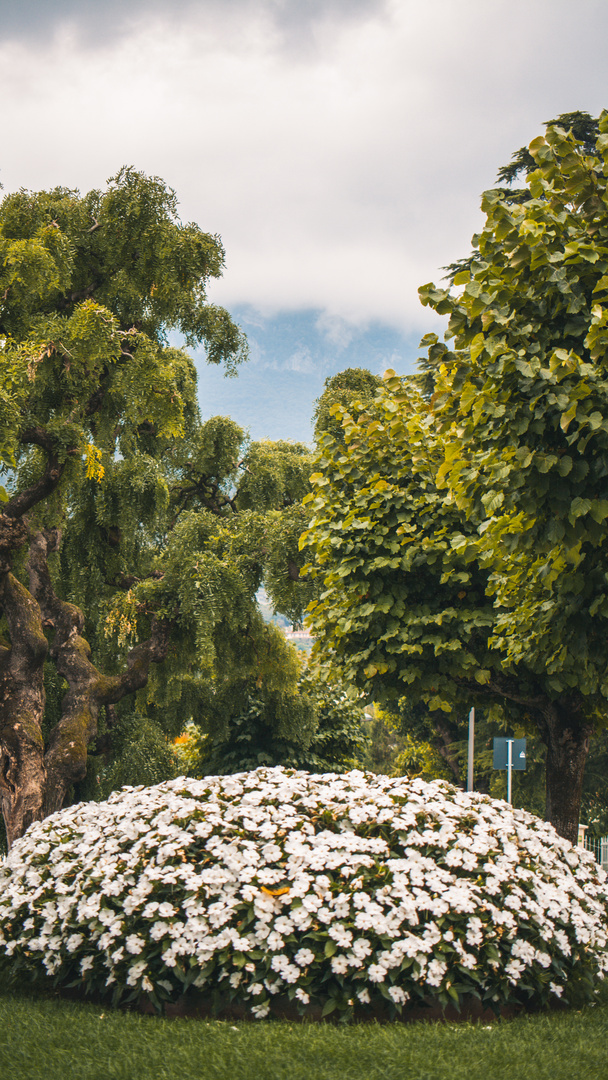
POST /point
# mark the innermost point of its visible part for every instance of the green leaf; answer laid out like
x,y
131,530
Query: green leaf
x,y
599,510
330,1006
578,508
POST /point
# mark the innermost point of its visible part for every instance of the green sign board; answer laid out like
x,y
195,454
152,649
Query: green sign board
x,y
518,753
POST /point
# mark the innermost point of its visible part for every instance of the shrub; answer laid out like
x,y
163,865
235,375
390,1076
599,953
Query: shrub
x,y
348,891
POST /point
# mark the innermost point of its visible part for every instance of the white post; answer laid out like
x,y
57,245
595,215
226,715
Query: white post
x,y
471,750
509,769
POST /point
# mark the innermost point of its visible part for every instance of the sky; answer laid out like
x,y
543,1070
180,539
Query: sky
x,y
339,147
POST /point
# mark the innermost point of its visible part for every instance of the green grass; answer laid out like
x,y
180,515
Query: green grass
x,y
45,1038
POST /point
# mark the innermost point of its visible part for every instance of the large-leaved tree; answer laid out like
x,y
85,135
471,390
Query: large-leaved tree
x,y
460,524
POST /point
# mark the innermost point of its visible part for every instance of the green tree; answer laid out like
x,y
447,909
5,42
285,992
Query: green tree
x,y
132,535
460,524
347,387
306,722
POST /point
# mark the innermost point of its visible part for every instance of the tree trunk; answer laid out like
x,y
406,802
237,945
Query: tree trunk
x,y
445,743
88,688
566,735
34,780
22,772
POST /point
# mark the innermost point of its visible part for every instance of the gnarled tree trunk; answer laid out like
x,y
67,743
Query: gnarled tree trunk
x,y
34,779
22,770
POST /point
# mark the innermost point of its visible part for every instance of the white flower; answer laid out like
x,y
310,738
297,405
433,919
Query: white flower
x,y
398,995
290,973
271,852
435,972
260,1011
340,935
468,960
364,920
363,996
135,973
134,943
513,970
283,925
304,957
361,948
474,932
302,996
523,951
166,910
339,964
255,989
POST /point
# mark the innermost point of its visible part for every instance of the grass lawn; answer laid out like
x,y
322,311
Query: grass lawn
x,y
45,1038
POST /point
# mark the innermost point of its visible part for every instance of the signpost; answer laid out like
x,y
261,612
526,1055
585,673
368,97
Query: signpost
x,y
471,750
510,754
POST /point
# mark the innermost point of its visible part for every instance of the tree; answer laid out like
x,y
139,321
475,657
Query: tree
x,y
348,386
460,525
132,535
309,724
581,125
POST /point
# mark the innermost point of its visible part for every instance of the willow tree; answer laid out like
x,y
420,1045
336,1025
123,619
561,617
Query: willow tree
x,y
461,525
90,391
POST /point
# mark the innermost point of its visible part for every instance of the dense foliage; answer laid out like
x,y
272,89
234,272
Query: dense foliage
x,y
318,728
132,534
460,523
345,892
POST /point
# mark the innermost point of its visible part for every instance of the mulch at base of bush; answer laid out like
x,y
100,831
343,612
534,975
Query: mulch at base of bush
x,y
200,1008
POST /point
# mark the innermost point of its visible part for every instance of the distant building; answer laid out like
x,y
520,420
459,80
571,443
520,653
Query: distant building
x,y
300,638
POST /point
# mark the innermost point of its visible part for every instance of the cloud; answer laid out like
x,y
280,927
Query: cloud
x,y
339,148
97,22
335,329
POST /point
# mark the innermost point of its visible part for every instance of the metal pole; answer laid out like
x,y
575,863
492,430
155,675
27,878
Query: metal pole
x,y
471,750
509,768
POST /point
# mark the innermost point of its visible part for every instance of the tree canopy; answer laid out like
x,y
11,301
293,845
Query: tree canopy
x,y
460,523
132,533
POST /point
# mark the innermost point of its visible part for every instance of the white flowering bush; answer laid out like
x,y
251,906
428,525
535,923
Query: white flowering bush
x,y
346,892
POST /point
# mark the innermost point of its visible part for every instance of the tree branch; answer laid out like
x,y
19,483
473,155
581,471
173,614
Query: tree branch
x,y
494,688
21,503
216,502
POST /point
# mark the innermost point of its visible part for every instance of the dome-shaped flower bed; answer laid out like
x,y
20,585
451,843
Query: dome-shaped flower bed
x,y
344,892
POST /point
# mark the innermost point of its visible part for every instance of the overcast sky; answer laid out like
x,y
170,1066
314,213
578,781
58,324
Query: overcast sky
x,y
339,147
